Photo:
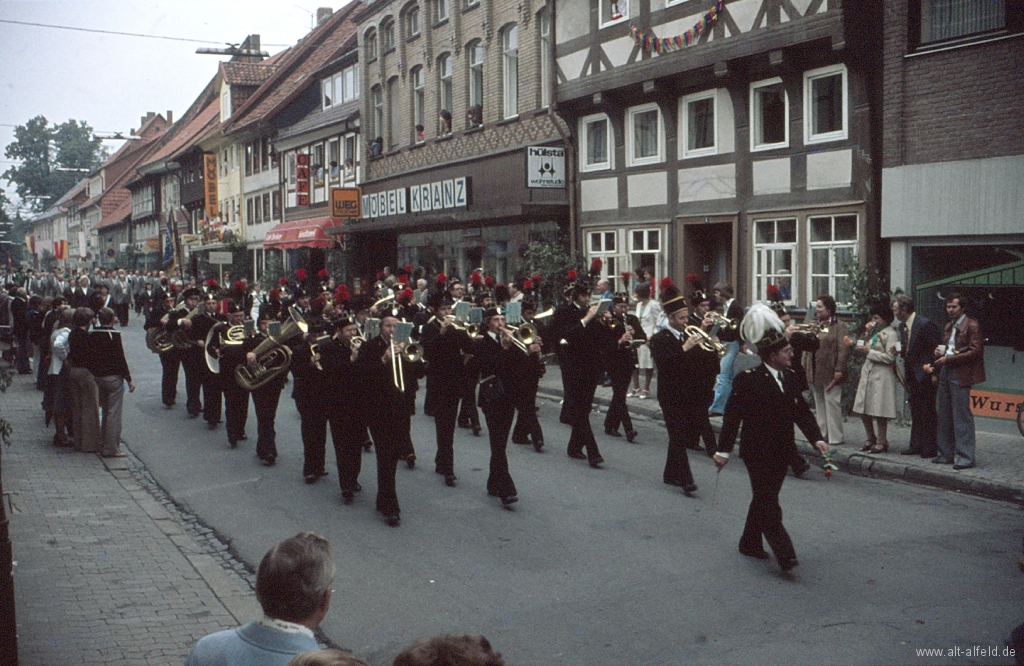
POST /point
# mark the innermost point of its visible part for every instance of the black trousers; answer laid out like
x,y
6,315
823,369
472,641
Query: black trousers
x,y
618,413
314,435
265,399
388,439
236,408
429,395
684,426
499,422
212,393
764,517
446,408
582,399
924,421
567,394
122,310
527,425
171,362
195,367
347,434
467,412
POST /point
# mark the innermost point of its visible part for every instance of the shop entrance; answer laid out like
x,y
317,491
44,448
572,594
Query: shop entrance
x,y
708,248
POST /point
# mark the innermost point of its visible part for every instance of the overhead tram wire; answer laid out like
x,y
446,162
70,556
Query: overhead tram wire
x,y
119,33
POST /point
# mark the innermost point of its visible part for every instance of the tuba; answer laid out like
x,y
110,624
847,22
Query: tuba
x,y
180,339
159,340
273,357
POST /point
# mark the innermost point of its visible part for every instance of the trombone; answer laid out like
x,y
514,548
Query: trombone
x,y
523,337
397,376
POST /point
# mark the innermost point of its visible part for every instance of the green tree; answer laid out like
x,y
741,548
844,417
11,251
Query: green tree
x,y
52,159
550,259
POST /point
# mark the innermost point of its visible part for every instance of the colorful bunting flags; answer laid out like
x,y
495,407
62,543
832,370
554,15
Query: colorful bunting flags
x,y
665,44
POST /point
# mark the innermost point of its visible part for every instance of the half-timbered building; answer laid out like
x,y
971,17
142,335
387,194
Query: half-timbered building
x,y
732,139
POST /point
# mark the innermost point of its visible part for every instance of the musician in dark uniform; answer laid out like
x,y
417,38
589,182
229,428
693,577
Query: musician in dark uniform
x,y
686,384
378,362
766,401
199,331
310,392
578,333
265,400
620,361
498,359
342,404
468,416
236,398
444,347
700,306
802,341
170,360
527,429
191,358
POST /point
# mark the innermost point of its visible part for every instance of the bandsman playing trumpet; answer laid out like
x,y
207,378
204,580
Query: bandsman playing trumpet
x,y
342,410
527,429
686,382
700,308
620,359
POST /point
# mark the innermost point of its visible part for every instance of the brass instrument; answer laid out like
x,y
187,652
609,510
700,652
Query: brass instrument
x,y
722,322
387,299
522,337
397,376
545,314
273,357
228,336
811,328
314,349
159,339
412,352
706,341
180,337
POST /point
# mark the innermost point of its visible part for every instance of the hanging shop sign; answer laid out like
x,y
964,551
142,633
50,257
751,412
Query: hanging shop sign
x,y
423,198
545,166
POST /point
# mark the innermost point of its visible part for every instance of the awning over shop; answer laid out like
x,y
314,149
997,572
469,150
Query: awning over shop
x,y
300,233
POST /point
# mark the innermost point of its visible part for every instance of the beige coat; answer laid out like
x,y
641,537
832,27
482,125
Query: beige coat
x,y
876,392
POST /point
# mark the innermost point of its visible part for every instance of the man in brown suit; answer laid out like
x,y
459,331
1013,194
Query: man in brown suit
x,y
960,364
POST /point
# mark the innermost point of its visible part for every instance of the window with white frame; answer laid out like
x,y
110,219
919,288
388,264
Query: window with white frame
x,y
476,74
142,202
510,70
387,31
442,10
596,137
348,169
644,135
340,87
412,22
825,104
833,246
327,87
370,45
699,119
393,114
417,103
613,11
545,59
225,104
603,245
774,252
472,3
377,128
769,115
334,161
645,252
351,78
444,73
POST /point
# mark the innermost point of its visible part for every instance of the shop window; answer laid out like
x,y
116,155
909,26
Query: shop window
x,y
613,11
774,251
595,135
644,135
510,70
698,117
825,104
833,248
769,115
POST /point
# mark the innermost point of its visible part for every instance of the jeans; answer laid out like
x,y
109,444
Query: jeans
x,y
725,376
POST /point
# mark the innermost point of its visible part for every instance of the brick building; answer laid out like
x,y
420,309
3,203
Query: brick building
x,y
952,201
455,111
735,140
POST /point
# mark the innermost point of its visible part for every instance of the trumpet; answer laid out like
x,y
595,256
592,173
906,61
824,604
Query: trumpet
x,y
545,314
812,327
707,343
722,322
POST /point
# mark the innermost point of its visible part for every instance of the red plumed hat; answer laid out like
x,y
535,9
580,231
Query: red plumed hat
x,y
323,274
596,265
238,286
528,284
341,294
570,276
475,279
405,296
407,269
442,279
666,282
693,279
489,281
535,280
211,284
275,294
300,275
774,294
283,282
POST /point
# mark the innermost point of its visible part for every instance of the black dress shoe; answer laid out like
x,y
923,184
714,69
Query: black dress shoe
x,y
476,430
612,433
538,445
191,416
508,500
367,445
233,443
596,462
268,461
357,487
788,563
449,480
519,441
243,438
410,460
670,482
211,425
800,470
311,478
963,466
689,489
760,554
631,435
393,520
938,460
578,455
347,497
910,452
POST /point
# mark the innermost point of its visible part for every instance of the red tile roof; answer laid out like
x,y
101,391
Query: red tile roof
x,y
294,70
247,73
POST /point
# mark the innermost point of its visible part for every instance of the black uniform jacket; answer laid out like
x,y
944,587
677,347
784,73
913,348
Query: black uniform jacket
x,y
444,353
498,372
578,356
684,377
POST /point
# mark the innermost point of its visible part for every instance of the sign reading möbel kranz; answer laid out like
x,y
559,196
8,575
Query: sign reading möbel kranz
x,y
346,203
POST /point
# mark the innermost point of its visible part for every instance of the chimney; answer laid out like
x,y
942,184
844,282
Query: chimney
x,y
254,43
322,14
170,117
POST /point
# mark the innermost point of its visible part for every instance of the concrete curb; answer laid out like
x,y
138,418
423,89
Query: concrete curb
x,y
857,463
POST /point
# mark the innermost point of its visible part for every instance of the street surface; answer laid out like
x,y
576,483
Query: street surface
x,y
604,567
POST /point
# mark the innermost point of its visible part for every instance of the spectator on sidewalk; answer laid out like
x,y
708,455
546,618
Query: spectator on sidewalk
x,y
648,310
329,657
826,369
467,650
56,400
293,585
918,338
960,364
876,391
83,393
110,371
21,329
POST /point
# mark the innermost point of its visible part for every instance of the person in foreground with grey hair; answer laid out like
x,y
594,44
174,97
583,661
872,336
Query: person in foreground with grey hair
x,y
293,585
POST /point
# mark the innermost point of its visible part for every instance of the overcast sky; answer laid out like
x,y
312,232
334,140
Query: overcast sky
x,y
111,81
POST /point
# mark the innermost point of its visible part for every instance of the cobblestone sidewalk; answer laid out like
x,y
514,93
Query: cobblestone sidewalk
x,y
107,571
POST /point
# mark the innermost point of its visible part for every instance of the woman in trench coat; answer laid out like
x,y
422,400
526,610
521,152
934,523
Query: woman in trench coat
x,y
876,392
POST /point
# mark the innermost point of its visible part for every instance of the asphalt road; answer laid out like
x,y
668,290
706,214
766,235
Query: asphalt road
x,y
610,566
